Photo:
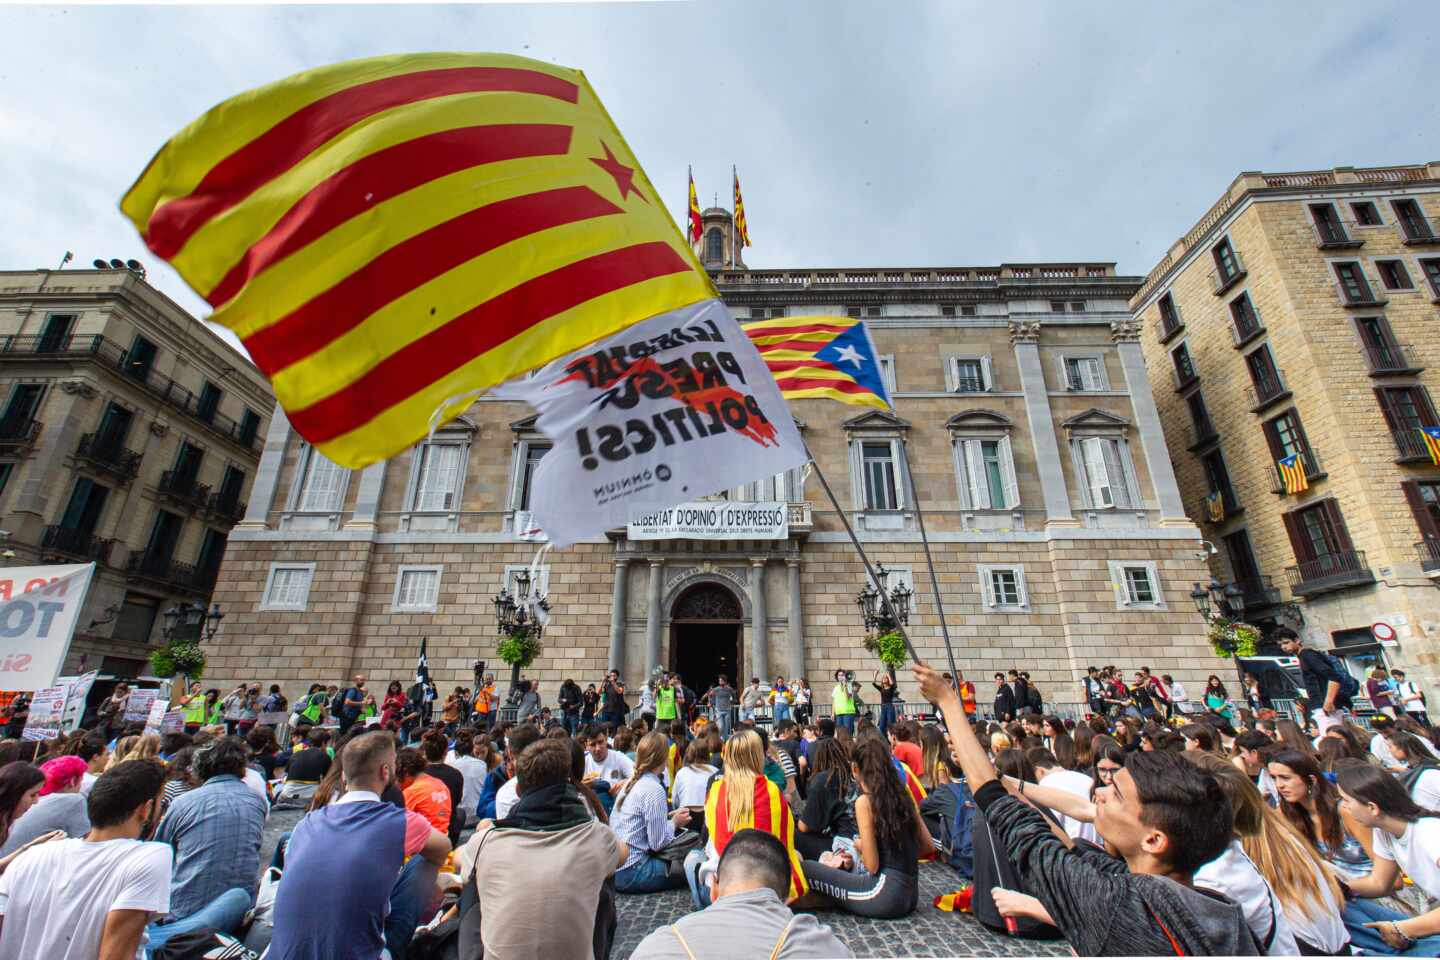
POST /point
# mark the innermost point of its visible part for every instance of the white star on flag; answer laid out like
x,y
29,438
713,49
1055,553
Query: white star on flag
x,y
850,354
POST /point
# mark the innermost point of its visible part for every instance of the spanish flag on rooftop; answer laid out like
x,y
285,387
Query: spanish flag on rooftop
x,y
386,234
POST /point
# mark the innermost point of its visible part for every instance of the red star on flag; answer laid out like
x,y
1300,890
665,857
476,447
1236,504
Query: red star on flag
x,y
624,176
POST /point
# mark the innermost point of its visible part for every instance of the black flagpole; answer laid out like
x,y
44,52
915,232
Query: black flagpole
x,y
929,562
870,571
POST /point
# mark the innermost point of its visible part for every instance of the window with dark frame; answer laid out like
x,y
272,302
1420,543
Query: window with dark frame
x,y
1169,317
1327,225
1219,477
1393,275
1366,214
1138,586
968,310
877,461
1412,220
1242,560
1424,499
1247,321
209,402
1077,306
249,426
1225,261
1200,417
1407,410
140,359
947,310
534,453
1353,285
1263,373
1322,531
1057,306
1286,437
1432,275
1184,367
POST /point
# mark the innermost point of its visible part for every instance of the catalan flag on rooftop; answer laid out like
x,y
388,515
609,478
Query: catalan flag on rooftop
x,y
386,234
821,357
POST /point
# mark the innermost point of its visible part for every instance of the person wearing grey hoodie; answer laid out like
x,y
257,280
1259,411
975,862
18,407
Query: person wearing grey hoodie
x,y
1163,815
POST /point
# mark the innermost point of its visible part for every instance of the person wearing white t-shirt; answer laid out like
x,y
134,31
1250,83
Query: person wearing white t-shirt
x,y
1236,876
1052,774
606,764
692,780
81,899
1408,695
1407,837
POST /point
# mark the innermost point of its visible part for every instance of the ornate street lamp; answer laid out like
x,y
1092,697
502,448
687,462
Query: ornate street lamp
x,y
191,620
521,620
883,614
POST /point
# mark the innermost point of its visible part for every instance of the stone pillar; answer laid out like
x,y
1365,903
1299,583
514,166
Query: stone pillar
x,y
267,474
1126,334
652,618
367,499
1025,336
618,602
760,639
795,666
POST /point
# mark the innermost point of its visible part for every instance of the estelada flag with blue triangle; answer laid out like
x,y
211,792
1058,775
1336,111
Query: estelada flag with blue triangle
x,y
1432,443
829,358
1292,473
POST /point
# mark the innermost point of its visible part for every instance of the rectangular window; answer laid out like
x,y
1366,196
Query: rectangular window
x,y
417,589
113,430
1432,275
877,461
1321,533
1264,375
1407,411
6,470
969,374
163,537
1226,264
138,614
288,587
1002,587
141,358
1413,222
1084,373
1105,474
1328,227
55,334
1247,321
987,474
1353,285
231,485
887,371
323,484
20,410
437,484
873,312
1169,316
1184,368
1366,214
1077,306
1219,478
249,426
853,313
534,453
82,515
1200,417
947,310
1057,306
968,310
1393,275
1424,499
1286,436
1242,561
187,464
209,402
1138,586
212,551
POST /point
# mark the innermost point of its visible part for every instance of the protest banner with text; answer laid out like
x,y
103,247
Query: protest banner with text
x,y
39,608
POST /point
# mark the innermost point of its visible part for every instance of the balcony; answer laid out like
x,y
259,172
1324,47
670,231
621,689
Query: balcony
x,y
1336,571
1269,390
970,385
800,520
1358,295
1170,325
18,435
1428,550
1313,472
1258,592
1184,378
1410,446
1335,235
1202,433
142,565
226,507
112,356
108,455
184,490
1221,282
1419,231
1246,329
1390,358
61,542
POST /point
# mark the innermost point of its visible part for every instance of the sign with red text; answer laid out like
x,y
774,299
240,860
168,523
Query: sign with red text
x,y
39,609
46,710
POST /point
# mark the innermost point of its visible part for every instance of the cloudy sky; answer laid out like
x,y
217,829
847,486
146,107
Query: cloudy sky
x,y
866,134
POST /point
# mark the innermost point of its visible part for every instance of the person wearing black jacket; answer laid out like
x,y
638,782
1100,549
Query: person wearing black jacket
x,y
1165,817
1324,685
570,700
1021,691
1004,699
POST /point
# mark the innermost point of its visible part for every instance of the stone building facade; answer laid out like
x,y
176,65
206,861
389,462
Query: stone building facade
x,y
1058,532
129,436
1298,316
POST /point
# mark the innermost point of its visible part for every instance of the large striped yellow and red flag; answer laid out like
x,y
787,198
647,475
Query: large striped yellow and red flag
x,y
387,234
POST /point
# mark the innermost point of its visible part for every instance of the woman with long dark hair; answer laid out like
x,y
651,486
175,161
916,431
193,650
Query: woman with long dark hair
x,y
1407,837
1058,739
1312,805
890,838
1288,733
827,811
392,708
20,785
1217,698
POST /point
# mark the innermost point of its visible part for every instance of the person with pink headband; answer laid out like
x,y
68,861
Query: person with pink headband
x,y
60,811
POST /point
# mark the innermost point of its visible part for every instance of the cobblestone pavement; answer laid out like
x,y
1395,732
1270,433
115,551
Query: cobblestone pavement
x,y
925,933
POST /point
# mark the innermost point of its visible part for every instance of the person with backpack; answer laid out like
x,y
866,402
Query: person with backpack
x,y
1410,698
1328,685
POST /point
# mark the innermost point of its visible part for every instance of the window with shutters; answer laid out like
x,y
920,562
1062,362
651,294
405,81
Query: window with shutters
x,y
438,477
986,470
1136,584
1414,225
1169,317
1366,214
1264,376
1320,530
1002,587
417,589
528,455
887,371
322,484
1084,373
288,586
1184,367
880,473
1227,264
1106,477
1353,285
1424,499
1286,437
1247,325
1431,269
969,374
1393,275
1408,412
1219,477
1203,428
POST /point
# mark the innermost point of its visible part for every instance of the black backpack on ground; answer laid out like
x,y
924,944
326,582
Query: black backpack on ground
x,y
993,869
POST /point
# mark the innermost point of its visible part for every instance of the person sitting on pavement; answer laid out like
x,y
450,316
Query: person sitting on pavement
x,y
96,754
423,793
371,864
216,832
433,745
61,806
747,916
500,793
1162,815
642,820
538,875
78,899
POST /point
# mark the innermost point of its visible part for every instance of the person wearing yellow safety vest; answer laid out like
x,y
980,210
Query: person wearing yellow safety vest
x,y
844,702
193,705
668,699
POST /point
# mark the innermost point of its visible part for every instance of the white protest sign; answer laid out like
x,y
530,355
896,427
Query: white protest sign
x,y
39,607
714,520
173,722
155,718
675,408
47,709
138,706
75,702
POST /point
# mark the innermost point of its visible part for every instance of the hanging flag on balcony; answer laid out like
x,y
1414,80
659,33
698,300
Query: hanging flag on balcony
x,y
1215,507
1432,443
1292,473
386,235
822,358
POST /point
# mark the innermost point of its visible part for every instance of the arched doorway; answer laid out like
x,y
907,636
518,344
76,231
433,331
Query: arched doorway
x,y
705,635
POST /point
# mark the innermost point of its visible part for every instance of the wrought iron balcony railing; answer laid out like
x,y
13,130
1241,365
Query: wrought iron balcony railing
x,y
1334,571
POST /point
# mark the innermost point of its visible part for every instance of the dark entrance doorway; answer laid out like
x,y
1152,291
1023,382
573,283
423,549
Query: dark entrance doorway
x,y
705,636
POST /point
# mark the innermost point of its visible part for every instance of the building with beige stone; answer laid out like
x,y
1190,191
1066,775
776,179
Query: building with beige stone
x,y
1298,317
129,436
1059,534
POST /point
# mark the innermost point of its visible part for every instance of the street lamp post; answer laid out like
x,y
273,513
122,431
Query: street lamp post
x,y
187,621
521,617
880,613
